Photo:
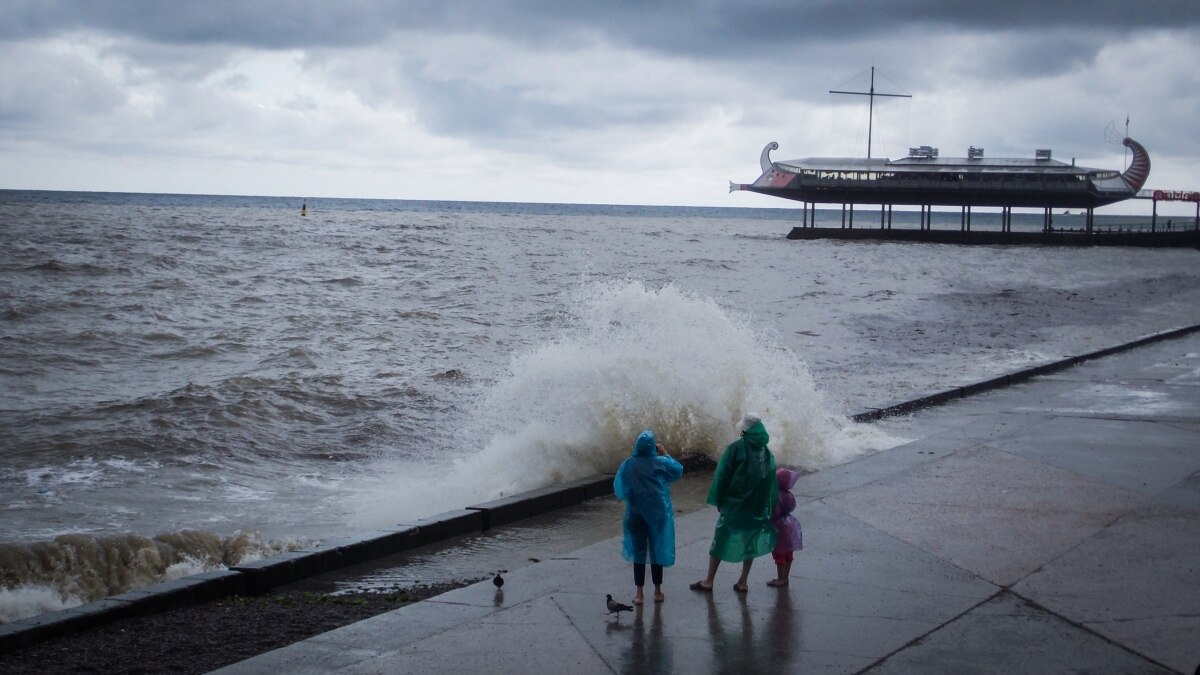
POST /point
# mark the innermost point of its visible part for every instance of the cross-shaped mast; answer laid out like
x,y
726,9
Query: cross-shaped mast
x,y
871,114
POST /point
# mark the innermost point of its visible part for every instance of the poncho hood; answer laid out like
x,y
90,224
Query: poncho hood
x,y
756,436
786,477
645,445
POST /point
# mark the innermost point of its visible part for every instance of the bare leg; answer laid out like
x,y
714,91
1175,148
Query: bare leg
x,y
707,582
742,580
782,570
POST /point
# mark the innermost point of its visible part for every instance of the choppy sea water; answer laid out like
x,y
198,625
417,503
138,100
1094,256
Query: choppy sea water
x,y
188,381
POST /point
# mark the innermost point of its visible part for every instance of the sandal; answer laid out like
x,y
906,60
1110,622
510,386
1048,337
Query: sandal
x,y
699,586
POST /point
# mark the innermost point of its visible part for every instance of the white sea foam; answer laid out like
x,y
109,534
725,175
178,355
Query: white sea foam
x,y
30,599
630,357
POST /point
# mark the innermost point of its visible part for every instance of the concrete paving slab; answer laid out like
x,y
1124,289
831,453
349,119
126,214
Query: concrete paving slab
x,y
932,444
701,633
1185,493
1146,457
534,637
854,597
1169,361
1148,401
1136,582
992,513
529,583
843,551
971,422
1007,635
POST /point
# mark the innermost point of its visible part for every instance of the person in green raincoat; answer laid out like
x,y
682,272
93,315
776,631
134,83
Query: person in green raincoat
x,y
744,490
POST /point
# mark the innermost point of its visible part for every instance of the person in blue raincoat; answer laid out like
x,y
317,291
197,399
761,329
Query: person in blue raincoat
x,y
643,483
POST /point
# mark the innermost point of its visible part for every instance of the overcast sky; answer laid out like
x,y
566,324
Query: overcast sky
x,y
627,102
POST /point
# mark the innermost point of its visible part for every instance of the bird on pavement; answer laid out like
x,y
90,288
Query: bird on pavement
x,y
498,580
615,607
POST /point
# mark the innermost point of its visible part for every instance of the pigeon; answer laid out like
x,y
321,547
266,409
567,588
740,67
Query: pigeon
x,y
498,581
615,607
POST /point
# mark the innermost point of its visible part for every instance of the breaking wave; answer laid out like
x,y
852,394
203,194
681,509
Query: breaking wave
x,y
630,357
73,569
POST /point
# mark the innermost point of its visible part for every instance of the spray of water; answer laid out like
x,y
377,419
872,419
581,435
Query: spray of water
x,y
629,357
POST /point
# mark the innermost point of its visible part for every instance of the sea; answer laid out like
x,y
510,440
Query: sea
x,y
192,381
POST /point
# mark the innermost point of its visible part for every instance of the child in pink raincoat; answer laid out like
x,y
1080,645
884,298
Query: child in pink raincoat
x,y
791,537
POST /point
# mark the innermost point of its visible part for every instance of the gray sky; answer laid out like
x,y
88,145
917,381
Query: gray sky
x,y
627,101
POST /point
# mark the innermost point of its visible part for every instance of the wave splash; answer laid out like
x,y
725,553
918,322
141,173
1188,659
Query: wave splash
x,y
630,357
73,569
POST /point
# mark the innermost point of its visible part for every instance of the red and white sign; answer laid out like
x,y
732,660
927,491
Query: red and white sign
x,y
1176,196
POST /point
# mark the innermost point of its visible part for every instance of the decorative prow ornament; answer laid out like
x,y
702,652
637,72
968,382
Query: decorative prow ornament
x,y
764,160
1139,169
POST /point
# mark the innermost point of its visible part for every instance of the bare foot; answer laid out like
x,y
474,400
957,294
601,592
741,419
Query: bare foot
x,y
777,583
659,597
741,588
638,600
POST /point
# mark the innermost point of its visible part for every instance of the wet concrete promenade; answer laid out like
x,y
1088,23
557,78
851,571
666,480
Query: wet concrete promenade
x,y
1047,527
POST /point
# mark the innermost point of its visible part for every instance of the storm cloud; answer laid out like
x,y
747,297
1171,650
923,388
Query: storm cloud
x,y
624,102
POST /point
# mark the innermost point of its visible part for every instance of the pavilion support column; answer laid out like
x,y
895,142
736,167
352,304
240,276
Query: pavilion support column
x,y
852,216
962,220
843,215
882,214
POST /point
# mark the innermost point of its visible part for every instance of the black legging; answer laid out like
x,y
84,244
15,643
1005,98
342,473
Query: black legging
x,y
639,574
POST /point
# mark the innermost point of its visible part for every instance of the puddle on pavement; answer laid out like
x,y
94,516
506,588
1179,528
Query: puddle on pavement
x,y
510,547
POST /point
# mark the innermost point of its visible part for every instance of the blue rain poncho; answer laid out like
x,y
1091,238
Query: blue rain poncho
x,y
643,483
744,489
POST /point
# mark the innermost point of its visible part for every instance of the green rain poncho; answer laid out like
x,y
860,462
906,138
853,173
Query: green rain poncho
x,y
744,489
